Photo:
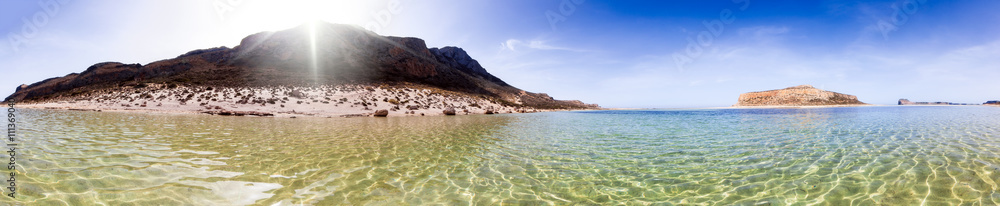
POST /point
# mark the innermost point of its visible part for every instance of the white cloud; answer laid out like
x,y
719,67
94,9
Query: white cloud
x,y
510,44
763,32
514,44
963,64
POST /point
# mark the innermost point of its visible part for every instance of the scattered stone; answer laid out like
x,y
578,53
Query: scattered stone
x,y
489,111
238,113
77,109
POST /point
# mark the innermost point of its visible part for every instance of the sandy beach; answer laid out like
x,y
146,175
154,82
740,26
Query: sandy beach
x,y
320,101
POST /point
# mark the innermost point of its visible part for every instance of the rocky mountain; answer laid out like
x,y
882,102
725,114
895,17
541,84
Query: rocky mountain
x,y
802,95
307,55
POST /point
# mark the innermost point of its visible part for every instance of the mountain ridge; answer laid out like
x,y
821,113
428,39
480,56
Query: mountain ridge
x,y
306,55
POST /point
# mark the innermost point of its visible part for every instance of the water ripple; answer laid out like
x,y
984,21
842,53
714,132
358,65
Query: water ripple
x,y
829,156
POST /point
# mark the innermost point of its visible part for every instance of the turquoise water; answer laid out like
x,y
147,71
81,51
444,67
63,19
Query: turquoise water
x,y
826,156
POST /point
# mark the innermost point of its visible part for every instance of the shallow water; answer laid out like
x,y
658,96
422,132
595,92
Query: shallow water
x,y
832,156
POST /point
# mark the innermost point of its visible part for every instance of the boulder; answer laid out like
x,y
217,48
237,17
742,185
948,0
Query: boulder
x,y
381,113
298,94
449,111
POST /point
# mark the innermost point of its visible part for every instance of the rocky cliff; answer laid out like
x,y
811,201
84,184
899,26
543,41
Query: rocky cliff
x,y
308,55
802,95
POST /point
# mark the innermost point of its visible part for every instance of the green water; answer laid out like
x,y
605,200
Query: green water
x,y
830,156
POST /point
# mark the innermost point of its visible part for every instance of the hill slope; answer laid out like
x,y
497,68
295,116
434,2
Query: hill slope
x,y
307,56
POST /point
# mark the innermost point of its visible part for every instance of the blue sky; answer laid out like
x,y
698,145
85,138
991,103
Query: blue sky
x,y
614,53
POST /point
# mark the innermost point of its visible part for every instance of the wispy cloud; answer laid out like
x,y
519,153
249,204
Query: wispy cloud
x,y
515,45
763,32
963,64
510,44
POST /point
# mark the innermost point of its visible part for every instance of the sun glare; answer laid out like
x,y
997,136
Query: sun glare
x,y
314,61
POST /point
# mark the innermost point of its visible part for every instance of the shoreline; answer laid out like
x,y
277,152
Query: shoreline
x,y
783,107
820,106
361,112
802,106
279,115
750,107
317,101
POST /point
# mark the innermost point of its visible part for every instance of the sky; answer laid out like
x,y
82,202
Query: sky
x,y
635,54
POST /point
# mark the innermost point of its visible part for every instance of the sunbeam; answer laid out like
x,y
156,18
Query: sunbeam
x,y
314,62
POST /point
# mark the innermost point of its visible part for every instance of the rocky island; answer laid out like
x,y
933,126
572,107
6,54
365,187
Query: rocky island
x,y
802,95
317,69
908,102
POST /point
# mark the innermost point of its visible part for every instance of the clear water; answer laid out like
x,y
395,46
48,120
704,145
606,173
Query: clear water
x,y
830,156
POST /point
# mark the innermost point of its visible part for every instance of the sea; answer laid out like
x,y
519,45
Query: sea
x,y
875,155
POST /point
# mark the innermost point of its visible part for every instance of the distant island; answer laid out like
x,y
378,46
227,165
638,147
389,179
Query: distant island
x,y
908,102
318,69
802,95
